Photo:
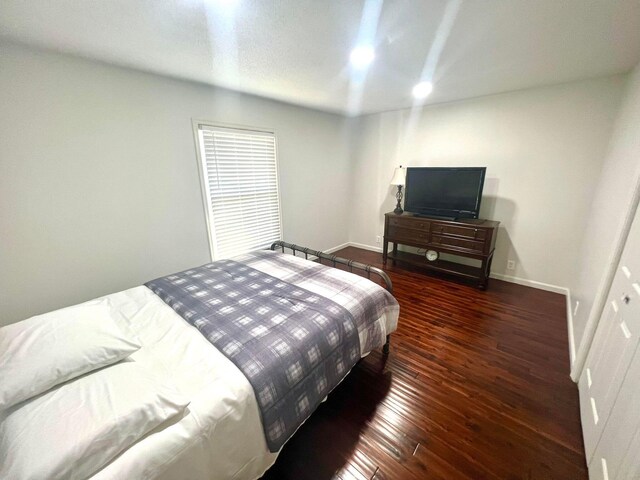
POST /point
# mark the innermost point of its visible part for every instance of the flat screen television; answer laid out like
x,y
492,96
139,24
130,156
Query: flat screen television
x,y
444,192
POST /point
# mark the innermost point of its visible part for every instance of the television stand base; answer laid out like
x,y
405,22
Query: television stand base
x,y
470,238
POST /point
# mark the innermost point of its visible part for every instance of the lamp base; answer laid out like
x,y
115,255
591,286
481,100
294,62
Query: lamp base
x,y
398,209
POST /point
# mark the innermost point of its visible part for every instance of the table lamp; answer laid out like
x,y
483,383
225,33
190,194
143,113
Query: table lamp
x,y
398,180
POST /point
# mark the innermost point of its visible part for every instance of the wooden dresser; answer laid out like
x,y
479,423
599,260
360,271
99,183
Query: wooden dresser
x,y
469,238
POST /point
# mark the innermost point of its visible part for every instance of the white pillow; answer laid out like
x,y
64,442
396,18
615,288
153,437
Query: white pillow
x,y
75,429
46,350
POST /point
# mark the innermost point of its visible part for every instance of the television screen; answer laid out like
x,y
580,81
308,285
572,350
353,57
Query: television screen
x,y
444,192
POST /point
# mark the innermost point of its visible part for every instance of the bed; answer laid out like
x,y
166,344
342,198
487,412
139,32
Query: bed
x,y
221,433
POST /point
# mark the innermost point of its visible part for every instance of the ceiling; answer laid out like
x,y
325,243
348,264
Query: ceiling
x,y
298,50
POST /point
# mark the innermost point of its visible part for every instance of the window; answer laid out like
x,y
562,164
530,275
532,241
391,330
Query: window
x,y
240,185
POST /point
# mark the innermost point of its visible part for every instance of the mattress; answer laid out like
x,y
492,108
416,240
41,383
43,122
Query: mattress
x,y
220,436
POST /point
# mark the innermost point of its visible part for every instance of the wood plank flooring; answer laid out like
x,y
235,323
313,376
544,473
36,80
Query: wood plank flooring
x,y
476,387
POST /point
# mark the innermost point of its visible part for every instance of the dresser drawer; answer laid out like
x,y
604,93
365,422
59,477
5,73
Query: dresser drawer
x,y
408,222
463,232
456,242
407,234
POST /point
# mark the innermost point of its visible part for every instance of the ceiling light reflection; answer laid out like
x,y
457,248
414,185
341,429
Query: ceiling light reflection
x,y
422,90
362,56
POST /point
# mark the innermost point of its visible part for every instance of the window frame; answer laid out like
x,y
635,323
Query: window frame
x,y
204,184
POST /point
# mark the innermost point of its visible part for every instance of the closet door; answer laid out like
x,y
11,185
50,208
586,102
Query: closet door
x,y
630,466
616,456
614,344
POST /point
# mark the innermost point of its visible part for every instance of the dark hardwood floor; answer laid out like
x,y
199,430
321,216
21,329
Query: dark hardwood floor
x,y
476,387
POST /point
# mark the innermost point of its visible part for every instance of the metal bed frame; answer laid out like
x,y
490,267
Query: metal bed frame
x,y
351,264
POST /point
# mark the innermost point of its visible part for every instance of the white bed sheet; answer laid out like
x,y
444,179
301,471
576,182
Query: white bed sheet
x,y
221,437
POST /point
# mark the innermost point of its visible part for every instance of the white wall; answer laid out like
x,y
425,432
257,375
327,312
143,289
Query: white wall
x,y
99,183
609,218
543,149
99,186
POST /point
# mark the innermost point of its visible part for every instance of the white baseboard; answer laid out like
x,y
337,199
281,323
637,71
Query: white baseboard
x,y
531,283
353,244
366,247
339,247
329,250
572,340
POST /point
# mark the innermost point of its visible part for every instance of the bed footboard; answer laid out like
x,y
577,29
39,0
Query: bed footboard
x,y
350,264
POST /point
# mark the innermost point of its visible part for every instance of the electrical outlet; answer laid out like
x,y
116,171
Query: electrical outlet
x,y
511,265
378,239
575,309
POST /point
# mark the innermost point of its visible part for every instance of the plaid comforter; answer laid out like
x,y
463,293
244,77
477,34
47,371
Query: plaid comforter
x,y
294,328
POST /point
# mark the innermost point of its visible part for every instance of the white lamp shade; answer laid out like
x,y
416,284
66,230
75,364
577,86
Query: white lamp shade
x,y
398,176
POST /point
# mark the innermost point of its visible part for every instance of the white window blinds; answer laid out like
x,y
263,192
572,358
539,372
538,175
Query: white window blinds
x,y
241,188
